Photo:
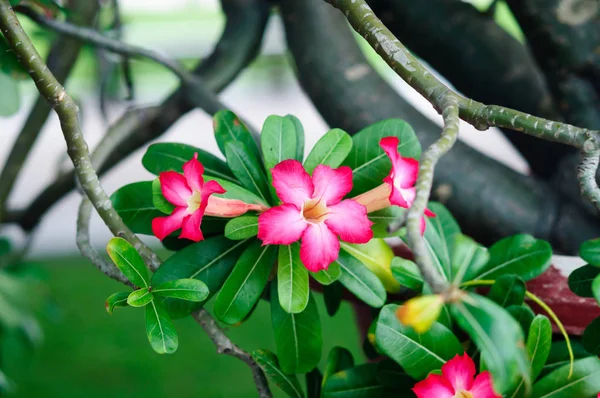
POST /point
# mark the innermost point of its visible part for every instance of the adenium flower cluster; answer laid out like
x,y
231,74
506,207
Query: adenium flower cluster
x,y
313,209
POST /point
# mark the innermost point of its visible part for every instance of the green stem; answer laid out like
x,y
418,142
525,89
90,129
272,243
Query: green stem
x,y
67,112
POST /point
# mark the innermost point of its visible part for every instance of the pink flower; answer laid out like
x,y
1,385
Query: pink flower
x,y
313,210
457,381
189,193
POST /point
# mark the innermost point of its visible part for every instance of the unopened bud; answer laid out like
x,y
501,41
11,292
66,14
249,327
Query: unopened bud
x,y
421,312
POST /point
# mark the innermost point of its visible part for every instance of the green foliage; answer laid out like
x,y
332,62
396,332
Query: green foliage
x,y
407,273
559,355
116,300
140,297
584,382
339,359
580,280
159,328
329,275
314,380
383,218
440,235
468,258
242,228
183,289
247,169
229,128
591,337
135,205
330,150
158,200
10,100
358,382
508,290
360,281
590,251
278,140
332,294
292,279
269,364
129,261
522,314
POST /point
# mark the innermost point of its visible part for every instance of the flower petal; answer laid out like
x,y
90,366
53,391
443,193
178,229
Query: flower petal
x,y
320,247
208,189
459,371
434,386
281,225
331,185
292,183
429,213
397,195
193,170
163,226
348,219
174,188
191,227
404,170
482,387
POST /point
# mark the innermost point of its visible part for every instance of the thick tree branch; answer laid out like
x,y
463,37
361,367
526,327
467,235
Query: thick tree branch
x,y
586,175
226,346
67,112
424,184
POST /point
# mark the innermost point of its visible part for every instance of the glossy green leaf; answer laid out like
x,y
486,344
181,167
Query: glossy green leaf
x,y
168,156
297,336
468,258
210,261
498,337
128,260
184,289
234,191
508,290
314,380
278,140
596,288
292,279
330,150
559,355
407,273
383,218
140,297
10,100
332,295
393,377
590,251
242,227
158,200
134,204
522,255
269,364
116,300
245,284
159,328
338,359
584,382
369,163
299,137
591,337
418,354
360,281
522,314
358,382
580,280
377,256
247,169
228,127
9,64
329,275
440,238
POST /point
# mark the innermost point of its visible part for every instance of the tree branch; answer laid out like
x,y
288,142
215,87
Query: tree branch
x,y
586,175
226,346
424,183
67,112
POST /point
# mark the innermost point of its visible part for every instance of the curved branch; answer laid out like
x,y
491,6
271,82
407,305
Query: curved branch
x,y
586,175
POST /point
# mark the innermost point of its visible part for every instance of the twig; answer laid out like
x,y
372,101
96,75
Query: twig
x,y
67,112
431,274
226,346
586,175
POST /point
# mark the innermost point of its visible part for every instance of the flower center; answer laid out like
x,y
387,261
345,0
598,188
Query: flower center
x,y
463,394
194,202
314,211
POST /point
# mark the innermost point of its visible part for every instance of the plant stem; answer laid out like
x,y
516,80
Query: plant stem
x,y
67,112
226,346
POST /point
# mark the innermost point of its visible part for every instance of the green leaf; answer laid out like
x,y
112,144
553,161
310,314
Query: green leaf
x,y
242,227
9,64
210,261
292,279
584,382
499,338
407,273
596,288
522,314
299,137
10,100
234,191
168,156
392,376
116,300
245,284
522,255
369,163
135,205
330,150
332,294
184,289
508,290
580,280
468,258
383,218
159,328
128,260
229,128
269,364
440,238
418,354
377,256
313,383
360,281
338,359
297,336
559,355
140,297
327,276
247,169
358,382
278,140
590,251
158,200
591,337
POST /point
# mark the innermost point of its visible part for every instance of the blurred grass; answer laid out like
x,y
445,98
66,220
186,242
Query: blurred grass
x,y
87,353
